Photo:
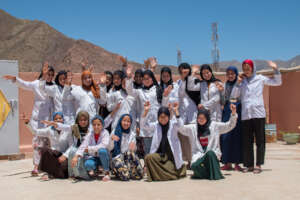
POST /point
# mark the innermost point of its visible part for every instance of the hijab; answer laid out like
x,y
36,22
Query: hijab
x,y
170,82
121,74
212,79
56,80
118,132
108,87
53,116
194,95
203,130
136,85
164,129
230,84
94,87
159,92
77,130
50,69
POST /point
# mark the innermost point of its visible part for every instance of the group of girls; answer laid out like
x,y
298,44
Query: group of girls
x,y
109,125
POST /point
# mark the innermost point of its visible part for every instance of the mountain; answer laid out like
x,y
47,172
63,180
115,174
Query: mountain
x,y
32,42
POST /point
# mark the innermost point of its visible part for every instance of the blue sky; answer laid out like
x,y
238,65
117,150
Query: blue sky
x,y
265,29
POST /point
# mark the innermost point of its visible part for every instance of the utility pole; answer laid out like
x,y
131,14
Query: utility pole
x,y
215,53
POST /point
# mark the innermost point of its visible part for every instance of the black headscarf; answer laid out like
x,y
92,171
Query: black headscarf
x,y
122,76
164,128
50,69
56,80
203,130
138,72
159,91
212,79
108,87
170,82
194,95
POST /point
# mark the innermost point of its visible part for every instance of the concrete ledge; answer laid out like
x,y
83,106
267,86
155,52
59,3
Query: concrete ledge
x,y
19,156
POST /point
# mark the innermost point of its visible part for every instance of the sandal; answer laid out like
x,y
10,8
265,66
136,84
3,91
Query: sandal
x,y
227,168
238,168
45,177
248,169
34,173
257,171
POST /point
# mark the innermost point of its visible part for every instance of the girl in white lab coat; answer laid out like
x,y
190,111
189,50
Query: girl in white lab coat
x,y
165,159
66,106
249,88
210,95
118,95
42,109
150,92
205,137
94,149
87,97
125,162
54,159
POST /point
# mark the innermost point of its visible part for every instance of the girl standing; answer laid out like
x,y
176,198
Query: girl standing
x,y
55,91
42,109
231,142
249,88
210,95
150,92
205,137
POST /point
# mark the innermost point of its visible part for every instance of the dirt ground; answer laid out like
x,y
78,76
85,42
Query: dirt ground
x,y
279,180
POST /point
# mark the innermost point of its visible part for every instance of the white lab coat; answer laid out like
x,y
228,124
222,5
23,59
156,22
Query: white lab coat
x,y
216,128
66,105
90,143
127,102
58,141
187,107
173,139
250,91
210,97
84,100
143,96
126,140
43,104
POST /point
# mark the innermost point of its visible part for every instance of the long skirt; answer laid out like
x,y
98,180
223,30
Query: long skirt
x,y
186,147
49,163
231,142
207,167
127,166
78,171
161,168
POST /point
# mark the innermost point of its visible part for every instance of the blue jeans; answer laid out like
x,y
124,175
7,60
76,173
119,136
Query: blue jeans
x,y
102,159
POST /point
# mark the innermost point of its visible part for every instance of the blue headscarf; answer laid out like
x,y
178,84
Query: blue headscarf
x,y
235,70
118,132
230,84
53,116
100,118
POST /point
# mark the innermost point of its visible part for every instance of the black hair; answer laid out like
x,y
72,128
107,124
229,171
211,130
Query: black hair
x,y
56,80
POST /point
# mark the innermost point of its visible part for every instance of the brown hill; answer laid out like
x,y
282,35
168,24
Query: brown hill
x,y
33,42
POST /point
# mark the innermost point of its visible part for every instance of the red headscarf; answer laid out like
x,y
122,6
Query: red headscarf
x,y
94,87
249,62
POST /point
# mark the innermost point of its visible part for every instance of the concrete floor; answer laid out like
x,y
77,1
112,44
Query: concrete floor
x,y
279,180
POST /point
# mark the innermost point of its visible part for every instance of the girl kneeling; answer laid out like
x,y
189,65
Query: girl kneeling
x,y
94,149
165,159
125,163
205,136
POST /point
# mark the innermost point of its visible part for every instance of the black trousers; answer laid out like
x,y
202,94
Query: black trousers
x,y
253,128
